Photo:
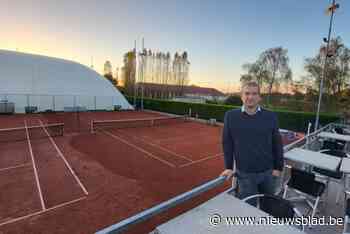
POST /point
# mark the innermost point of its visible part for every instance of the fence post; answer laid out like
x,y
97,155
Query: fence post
x,y
28,104
53,103
112,103
74,101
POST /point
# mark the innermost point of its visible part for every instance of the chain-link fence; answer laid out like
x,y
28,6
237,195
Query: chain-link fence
x,y
29,103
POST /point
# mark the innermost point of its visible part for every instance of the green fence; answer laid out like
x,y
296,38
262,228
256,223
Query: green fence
x,y
292,120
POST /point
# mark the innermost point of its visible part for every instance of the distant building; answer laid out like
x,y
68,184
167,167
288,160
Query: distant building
x,y
178,92
203,93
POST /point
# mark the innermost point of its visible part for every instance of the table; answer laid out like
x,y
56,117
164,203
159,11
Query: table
x,y
196,221
313,158
347,131
335,136
345,165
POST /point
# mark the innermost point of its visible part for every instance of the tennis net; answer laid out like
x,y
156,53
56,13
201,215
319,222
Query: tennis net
x,y
135,123
35,132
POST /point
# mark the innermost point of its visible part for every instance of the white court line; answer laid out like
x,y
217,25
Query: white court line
x,y
140,149
34,167
137,119
64,159
41,212
201,160
181,138
14,167
161,148
20,128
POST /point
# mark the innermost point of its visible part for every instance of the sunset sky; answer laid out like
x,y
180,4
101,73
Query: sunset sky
x,y
219,36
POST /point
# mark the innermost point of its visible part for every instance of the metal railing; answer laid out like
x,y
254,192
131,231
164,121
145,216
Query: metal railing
x,y
307,139
144,215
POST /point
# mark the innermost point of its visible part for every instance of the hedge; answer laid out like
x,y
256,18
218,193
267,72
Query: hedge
x,y
292,120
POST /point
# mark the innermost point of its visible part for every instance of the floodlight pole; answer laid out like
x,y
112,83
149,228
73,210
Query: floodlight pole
x,y
324,68
135,77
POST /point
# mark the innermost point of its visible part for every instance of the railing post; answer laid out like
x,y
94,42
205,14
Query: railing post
x,y
308,133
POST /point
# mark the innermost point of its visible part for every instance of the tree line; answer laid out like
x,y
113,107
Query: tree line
x,y
156,68
271,70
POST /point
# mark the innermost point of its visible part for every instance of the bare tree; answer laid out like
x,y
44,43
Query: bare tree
x,y
108,72
275,62
175,72
158,68
337,73
129,72
246,77
255,71
183,71
270,70
342,63
107,68
116,76
167,73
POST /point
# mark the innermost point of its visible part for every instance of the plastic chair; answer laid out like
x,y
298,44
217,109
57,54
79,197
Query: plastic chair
x,y
333,145
275,206
328,175
305,184
347,216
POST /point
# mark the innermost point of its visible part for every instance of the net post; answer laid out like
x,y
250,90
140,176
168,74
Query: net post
x,y
186,118
92,127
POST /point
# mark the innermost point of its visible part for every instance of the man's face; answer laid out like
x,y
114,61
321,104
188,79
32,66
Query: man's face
x,y
250,96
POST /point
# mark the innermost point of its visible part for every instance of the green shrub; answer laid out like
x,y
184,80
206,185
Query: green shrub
x,y
292,120
233,100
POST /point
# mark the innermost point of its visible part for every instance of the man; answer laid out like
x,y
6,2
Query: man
x,y
252,145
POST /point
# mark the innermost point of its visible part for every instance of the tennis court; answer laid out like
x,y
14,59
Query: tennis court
x,y
31,182
174,141
58,170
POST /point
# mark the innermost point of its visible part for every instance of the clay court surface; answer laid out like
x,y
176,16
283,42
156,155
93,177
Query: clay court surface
x,y
81,182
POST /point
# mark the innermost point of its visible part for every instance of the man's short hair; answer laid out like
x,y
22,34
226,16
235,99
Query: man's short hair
x,y
251,84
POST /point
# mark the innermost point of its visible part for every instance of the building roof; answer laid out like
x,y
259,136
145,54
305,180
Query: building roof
x,y
203,91
189,90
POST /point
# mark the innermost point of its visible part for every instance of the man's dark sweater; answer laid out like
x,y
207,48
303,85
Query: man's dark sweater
x,y
252,141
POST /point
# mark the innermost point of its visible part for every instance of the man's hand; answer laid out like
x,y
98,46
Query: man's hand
x,y
276,173
228,173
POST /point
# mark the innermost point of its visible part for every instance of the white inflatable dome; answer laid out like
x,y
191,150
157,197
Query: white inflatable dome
x,y
47,83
